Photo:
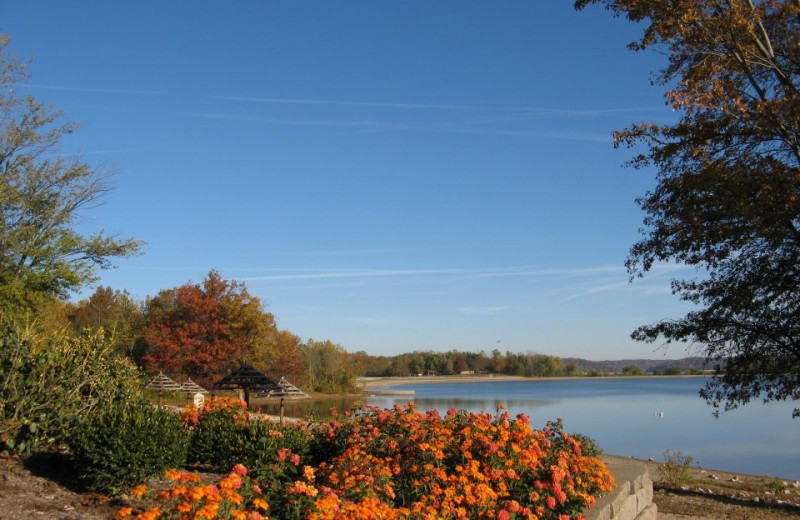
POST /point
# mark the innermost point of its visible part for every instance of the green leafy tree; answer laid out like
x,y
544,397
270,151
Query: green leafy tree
x,y
116,313
42,195
280,357
727,198
632,370
329,367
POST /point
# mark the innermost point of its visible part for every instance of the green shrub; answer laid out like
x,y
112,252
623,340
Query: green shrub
x,y
589,447
676,470
776,486
49,381
260,441
217,431
223,435
120,447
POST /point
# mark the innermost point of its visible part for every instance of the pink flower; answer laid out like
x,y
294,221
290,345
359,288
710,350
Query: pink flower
x,y
503,515
240,470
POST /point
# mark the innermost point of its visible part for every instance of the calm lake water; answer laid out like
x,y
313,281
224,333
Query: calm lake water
x,y
622,415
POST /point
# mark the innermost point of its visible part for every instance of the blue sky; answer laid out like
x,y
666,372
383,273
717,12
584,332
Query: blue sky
x,y
388,175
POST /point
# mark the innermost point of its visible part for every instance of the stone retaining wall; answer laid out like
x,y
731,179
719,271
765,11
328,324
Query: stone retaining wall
x,y
632,499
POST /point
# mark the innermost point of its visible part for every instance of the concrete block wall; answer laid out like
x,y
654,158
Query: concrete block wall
x,y
632,499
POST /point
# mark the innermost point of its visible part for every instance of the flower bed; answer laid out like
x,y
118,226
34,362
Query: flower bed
x,y
396,463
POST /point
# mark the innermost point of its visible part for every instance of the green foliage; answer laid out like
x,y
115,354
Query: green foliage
x,y
632,370
217,431
42,256
223,434
49,382
776,486
115,312
589,447
259,442
116,448
329,367
676,470
726,202
456,362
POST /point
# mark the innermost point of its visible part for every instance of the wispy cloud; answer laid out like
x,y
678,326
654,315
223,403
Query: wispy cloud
x,y
442,106
497,115
655,282
110,151
543,134
482,311
452,271
398,249
94,90
285,121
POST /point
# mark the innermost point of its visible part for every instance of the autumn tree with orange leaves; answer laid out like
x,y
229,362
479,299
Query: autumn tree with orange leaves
x,y
205,330
727,199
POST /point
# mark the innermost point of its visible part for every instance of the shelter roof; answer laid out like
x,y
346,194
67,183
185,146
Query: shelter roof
x,y
190,387
248,378
287,389
161,382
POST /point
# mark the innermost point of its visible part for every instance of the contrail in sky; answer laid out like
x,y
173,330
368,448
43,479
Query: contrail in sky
x,y
439,106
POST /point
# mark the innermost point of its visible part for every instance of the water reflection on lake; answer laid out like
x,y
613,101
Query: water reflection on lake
x,y
623,416
310,408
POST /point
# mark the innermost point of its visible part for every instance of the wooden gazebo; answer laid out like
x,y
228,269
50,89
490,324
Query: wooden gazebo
x,y
288,390
248,379
161,383
190,387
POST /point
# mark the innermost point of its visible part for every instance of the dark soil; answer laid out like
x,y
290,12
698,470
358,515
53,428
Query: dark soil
x,y
44,487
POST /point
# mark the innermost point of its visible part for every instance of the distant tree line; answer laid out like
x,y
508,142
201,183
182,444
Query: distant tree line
x,y
509,363
459,362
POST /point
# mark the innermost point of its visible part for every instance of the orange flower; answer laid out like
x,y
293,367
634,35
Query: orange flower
x,y
139,490
124,512
150,514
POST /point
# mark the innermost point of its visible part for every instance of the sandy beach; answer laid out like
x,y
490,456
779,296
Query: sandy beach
x,y
380,382
368,383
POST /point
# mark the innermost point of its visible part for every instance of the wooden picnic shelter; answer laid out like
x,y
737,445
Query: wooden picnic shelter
x,y
249,380
161,383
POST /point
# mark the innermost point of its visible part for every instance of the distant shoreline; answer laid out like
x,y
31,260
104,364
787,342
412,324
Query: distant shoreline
x,y
369,383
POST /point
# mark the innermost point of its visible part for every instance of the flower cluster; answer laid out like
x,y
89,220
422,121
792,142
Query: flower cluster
x,y
235,496
235,408
405,464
